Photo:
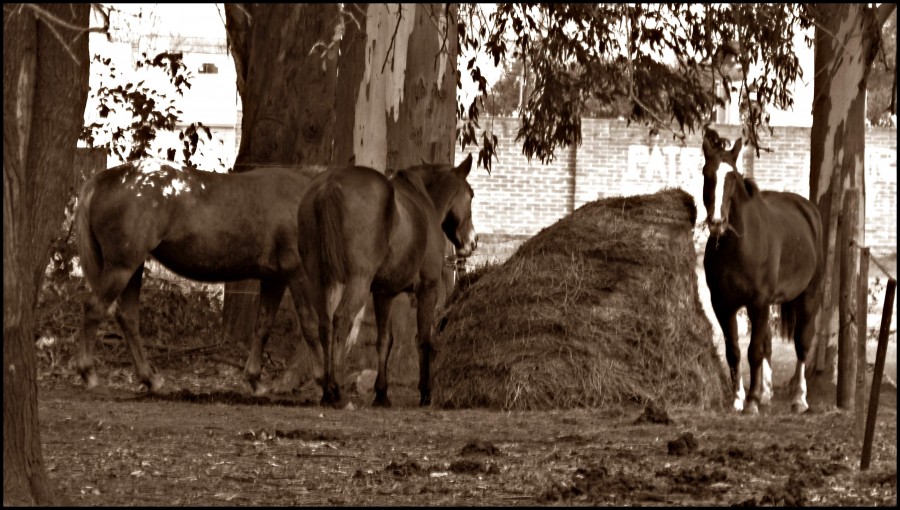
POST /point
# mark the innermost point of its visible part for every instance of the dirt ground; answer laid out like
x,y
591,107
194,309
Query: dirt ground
x,y
209,443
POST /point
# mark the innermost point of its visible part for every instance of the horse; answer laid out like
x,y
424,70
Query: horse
x,y
764,248
365,232
205,226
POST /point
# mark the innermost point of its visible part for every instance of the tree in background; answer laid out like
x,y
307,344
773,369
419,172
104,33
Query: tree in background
x,y
45,85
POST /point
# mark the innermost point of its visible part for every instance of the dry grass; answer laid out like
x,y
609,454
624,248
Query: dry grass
x,y
598,309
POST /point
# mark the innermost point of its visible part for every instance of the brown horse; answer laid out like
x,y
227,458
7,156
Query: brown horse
x,y
365,232
202,225
764,248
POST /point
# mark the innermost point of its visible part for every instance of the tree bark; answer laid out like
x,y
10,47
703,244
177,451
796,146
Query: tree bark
x,y
45,85
286,75
845,40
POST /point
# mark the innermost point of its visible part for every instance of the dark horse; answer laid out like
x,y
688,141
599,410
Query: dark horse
x,y
764,248
202,225
365,232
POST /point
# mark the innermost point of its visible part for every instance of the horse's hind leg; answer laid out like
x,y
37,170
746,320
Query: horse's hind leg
x,y
426,299
728,322
128,317
308,325
760,346
383,304
804,333
96,306
356,290
270,294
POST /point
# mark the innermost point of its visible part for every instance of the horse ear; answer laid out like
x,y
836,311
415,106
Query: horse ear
x,y
707,147
738,145
465,167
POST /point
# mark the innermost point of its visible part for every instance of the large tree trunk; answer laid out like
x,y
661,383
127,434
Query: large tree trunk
x,y
45,87
391,102
846,35
286,75
397,94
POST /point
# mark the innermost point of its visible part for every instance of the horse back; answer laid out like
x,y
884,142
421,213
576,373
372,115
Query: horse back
x,y
202,225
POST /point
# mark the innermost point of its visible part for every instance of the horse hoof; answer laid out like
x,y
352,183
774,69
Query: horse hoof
x,y
260,390
751,408
90,380
381,401
155,384
799,408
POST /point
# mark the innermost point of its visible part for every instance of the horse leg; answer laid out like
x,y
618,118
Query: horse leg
x,y
728,322
760,336
128,317
96,306
308,325
804,333
426,298
270,294
383,304
356,291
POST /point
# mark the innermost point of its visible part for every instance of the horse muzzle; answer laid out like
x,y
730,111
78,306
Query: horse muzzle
x,y
465,249
716,228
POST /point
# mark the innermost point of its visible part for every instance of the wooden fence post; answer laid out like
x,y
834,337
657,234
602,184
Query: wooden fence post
x,y
880,354
847,339
862,332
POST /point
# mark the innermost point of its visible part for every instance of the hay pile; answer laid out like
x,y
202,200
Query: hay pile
x,y
596,310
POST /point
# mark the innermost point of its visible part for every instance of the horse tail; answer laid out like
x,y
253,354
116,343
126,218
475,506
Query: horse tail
x,y
787,321
330,218
89,255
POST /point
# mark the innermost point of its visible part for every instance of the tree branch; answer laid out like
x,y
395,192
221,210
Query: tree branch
x,y
394,37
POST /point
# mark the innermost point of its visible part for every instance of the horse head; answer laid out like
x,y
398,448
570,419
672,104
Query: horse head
x,y
721,182
457,222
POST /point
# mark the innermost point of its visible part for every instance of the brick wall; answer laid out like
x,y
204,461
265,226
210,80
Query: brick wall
x,y
520,198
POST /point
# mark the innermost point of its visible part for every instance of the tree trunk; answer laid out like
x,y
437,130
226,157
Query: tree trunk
x,y
286,76
845,40
397,93
45,85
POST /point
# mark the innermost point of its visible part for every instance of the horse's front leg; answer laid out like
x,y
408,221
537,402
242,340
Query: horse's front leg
x,y
760,372
728,322
426,297
270,294
383,304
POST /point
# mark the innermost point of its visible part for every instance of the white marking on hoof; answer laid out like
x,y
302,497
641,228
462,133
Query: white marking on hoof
x,y
799,408
739,396
349,406
91,381
798,402
156,383
260,390
766,383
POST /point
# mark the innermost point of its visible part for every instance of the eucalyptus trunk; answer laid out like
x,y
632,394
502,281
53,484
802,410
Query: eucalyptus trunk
x,y
846,39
